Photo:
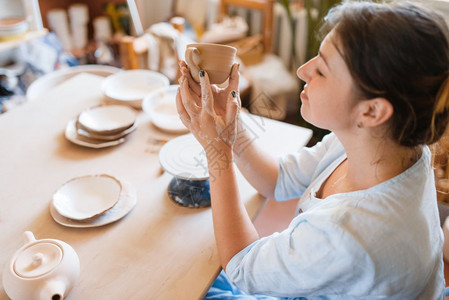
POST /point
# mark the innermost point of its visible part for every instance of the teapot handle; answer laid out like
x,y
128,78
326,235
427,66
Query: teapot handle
x,y
29,237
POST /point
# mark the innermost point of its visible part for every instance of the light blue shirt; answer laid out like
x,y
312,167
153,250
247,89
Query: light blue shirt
x,y
382,242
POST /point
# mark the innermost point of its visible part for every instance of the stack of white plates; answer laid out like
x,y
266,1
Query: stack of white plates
x,y
92,200
130,87
11,28
102,126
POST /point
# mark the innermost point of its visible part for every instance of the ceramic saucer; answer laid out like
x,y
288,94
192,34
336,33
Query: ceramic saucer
x,y
86,197
126,203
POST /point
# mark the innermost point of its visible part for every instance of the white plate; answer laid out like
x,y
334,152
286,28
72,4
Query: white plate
x,y
104,137
107,119
184,157
85,197
160,105
126,203
45,83
130,87
72,135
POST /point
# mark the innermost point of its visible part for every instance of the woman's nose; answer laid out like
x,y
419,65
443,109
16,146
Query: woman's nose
x,y
299,72
303,71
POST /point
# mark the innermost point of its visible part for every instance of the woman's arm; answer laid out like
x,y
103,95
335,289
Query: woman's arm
x,y
232,226
217,133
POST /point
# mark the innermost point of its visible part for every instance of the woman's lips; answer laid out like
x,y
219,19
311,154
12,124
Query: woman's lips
x,y
303,96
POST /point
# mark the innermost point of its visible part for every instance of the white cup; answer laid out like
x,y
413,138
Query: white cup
x,y
102,29
58,22
79,17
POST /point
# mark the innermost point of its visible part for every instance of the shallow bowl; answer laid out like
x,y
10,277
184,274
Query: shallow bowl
x,y
160,105
85,197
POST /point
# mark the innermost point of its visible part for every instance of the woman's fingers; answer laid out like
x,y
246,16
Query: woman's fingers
x,y
183,115
182,63
184,69
187,98
207,98
234,77
232,107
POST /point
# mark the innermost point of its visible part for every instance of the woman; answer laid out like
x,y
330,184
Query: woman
x,y
368,225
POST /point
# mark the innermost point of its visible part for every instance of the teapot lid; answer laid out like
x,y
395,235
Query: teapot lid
x,y
37,259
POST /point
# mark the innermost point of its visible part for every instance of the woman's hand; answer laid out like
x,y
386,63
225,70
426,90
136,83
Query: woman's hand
x,y
220,94
208,121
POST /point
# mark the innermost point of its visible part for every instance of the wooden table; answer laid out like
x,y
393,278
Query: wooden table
x,y
160,250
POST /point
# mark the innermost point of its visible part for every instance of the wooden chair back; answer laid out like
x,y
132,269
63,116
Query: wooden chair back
x,y
264,6
133,52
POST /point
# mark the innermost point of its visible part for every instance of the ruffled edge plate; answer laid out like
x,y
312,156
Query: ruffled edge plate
x,y
85,197
127,202
107,119
104,137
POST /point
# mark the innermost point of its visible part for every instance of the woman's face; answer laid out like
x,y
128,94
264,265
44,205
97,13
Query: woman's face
x,y
328,98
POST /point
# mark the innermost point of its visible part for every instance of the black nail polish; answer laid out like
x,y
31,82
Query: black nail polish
x,y
201,73
234,94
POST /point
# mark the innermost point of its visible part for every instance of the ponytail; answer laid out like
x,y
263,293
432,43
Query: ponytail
x,y
441,107
442,99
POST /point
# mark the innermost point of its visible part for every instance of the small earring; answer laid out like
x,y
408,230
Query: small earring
x,y
360,125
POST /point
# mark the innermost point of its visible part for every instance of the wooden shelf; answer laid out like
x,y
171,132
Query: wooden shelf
x,y
28,36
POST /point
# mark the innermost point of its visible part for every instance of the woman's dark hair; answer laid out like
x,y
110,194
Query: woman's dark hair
x,y
399,52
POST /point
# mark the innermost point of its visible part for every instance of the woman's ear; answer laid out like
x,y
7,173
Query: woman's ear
x,y
375,112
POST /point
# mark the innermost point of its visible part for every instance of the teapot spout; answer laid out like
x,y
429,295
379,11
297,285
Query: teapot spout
x,y
53,290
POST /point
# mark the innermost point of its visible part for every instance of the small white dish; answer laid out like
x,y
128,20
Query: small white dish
x,y
160,105
107,119
130,87
104,137
126,203
86,197
184,157
72,135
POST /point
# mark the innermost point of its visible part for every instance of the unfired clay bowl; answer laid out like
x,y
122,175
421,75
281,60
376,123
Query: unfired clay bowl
x,y
215,59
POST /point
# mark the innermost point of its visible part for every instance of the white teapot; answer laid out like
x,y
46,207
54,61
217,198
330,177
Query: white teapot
x,y
44,269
